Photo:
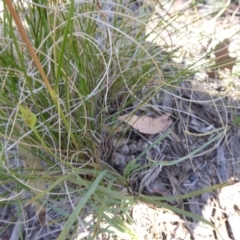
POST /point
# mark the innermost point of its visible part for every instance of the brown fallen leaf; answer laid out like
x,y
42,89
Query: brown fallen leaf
x,y
222,59
147,125
221,53
212,74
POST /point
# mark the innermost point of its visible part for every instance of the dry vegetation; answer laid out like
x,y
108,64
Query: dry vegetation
x,y
175,140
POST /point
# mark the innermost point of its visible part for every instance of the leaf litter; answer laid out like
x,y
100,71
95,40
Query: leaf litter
x,y
197,117
222,58
199,111
147,125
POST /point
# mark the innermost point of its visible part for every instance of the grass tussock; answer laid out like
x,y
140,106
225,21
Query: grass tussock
x,y
65,78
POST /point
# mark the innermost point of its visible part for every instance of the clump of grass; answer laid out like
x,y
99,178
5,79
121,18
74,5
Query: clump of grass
x,y
55,112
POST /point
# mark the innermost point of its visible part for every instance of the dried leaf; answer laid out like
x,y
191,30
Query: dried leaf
x,y
221,53
221,49
147,125
222,58
234,9
212,74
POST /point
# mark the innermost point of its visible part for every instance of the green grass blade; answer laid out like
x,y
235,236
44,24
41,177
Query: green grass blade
x,y
80,206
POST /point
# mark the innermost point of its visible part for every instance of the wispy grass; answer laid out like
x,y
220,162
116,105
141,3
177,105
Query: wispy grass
x,y
65,79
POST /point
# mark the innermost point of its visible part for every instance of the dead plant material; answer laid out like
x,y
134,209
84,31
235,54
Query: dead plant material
x,y
221,53
212,74
147,125
222,58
